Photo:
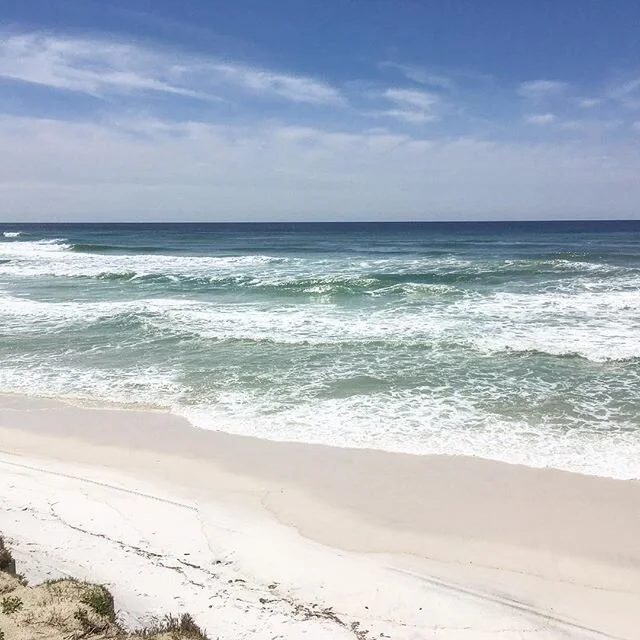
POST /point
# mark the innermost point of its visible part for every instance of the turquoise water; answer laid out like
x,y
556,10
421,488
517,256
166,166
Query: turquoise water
x,y
517,342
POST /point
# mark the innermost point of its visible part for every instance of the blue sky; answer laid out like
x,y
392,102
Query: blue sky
x,y
334,109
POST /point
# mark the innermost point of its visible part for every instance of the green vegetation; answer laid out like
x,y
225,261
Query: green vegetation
x,y
68,609
55,581
101,601
6,559
182,626
88,625
11,604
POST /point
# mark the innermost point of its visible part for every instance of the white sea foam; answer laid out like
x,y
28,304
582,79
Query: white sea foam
x,y
599,326
595,326
32,251
138,385
55,258
11,234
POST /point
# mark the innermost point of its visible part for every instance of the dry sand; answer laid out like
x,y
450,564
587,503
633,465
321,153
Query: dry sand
x,y
256,537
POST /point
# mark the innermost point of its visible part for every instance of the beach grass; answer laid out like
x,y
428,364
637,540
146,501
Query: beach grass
x,y
70,609
6,559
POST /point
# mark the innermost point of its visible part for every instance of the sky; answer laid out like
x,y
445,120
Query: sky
x,y
143,110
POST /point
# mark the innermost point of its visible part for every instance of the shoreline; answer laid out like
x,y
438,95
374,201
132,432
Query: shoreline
x,y
558,545
83,403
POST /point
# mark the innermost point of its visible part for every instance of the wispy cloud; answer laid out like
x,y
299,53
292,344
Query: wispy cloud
x,y
291,87
98,67
589,103
592,125
627,93
588,126
447,80
88,66
422,75
413,106
541,118
539,90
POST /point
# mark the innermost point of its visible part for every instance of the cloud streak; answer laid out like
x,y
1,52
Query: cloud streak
x,y
539,90
100,67
423,76
541,118
627,93
589,103
416,107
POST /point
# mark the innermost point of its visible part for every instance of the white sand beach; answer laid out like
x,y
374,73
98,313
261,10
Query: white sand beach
x,y
261,539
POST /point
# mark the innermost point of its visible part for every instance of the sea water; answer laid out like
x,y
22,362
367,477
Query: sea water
x,y
510,341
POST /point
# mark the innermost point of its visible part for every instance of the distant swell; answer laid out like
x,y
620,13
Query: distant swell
x,y
330,285
247,272
630,356
117,249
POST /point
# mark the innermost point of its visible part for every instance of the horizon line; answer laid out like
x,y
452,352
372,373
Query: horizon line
x,y
313,222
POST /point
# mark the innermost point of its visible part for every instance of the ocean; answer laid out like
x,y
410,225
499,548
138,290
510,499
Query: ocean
x,y
510,341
